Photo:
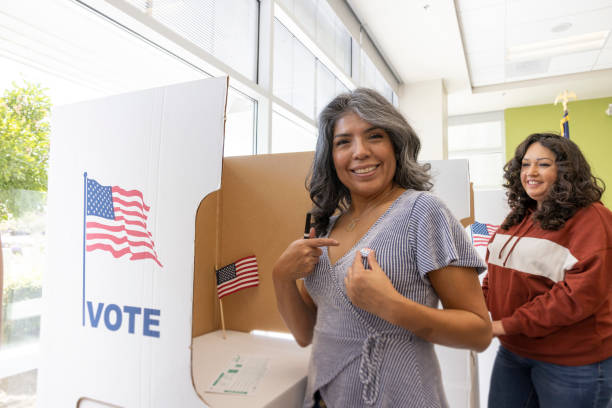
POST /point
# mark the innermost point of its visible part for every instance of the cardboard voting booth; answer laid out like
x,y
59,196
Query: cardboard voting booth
x,y
142,211
259,210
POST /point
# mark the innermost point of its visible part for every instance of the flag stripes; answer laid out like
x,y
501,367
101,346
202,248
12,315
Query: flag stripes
x,y
236,276
482,233
117,222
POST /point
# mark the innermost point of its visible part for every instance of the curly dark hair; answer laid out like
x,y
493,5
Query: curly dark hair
x,y
574,188
327,192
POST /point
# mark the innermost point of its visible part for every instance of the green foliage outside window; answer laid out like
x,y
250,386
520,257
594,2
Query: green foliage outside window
x,y
24,146
25,329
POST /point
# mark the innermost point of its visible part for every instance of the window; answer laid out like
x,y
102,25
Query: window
x,y
241,112
289,136
372,78
332,37
294,71
24,136
23,253
226,29
480,139
317,19
298,74
328,86
77,55
307,32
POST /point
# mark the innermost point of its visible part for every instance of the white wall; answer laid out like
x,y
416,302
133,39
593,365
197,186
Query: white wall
x,y
424,105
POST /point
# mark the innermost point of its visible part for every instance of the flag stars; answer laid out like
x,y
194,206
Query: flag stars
x,y
226,273
99,200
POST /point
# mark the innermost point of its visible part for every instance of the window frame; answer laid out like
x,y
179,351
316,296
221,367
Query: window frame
x,y
129,17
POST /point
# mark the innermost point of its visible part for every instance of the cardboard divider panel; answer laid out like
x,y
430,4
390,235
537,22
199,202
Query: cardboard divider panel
x,y
262,206
259,210
469,220
205,304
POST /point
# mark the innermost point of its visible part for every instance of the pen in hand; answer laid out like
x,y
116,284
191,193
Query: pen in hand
x,y
307,226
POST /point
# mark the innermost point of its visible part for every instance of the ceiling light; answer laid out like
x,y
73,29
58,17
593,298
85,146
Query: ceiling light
x,y
561,46
559,28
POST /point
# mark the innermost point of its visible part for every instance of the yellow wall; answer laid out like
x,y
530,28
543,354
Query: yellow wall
x,y
590,129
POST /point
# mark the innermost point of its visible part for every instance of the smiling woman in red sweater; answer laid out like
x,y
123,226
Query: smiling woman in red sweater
x,y
549,282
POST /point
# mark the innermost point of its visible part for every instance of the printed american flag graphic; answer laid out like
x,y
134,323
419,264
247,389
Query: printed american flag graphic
x,y
237,276
482,233
117,222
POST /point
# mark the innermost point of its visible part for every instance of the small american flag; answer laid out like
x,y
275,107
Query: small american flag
x,y
237,276
481,233
117,222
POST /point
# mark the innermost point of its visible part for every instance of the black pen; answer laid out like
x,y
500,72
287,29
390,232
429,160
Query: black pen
x,y
307,227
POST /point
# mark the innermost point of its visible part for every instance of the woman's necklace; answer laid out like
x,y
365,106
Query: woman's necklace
x,y
354,221
352,224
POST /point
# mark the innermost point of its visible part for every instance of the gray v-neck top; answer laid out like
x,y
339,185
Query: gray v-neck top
x,y
361,360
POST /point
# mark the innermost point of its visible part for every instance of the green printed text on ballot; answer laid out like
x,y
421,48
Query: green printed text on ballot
x,y
218,378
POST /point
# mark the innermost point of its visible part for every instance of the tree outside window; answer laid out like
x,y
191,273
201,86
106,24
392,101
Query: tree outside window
x,y
24,152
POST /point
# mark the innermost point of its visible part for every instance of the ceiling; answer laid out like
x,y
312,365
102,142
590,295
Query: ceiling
x,y
495,54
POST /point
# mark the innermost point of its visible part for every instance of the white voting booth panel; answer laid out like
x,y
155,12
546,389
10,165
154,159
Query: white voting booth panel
x,y
490,207
459,367
451,182
117,325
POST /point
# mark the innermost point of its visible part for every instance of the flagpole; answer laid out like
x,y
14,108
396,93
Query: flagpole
x,y
218,260
222,318
564,98
84,236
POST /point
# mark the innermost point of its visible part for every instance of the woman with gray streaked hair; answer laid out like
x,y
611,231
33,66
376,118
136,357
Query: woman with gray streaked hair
x,y
381,254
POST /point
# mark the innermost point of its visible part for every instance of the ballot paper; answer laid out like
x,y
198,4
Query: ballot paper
x,y
241,376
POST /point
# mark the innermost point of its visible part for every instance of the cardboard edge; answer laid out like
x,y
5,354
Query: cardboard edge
x,y
96,402
469,220
213,195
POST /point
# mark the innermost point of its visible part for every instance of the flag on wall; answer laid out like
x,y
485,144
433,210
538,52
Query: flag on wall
x,y
482,233
116,222
565,125
236,276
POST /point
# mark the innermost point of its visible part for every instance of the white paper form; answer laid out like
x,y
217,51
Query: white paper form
x,y
241,376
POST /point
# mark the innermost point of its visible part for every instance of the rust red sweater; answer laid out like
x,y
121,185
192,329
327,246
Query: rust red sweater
x,y
552,290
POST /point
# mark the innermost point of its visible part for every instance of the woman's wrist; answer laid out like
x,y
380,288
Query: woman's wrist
x,y
498,328
281,277
393,309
